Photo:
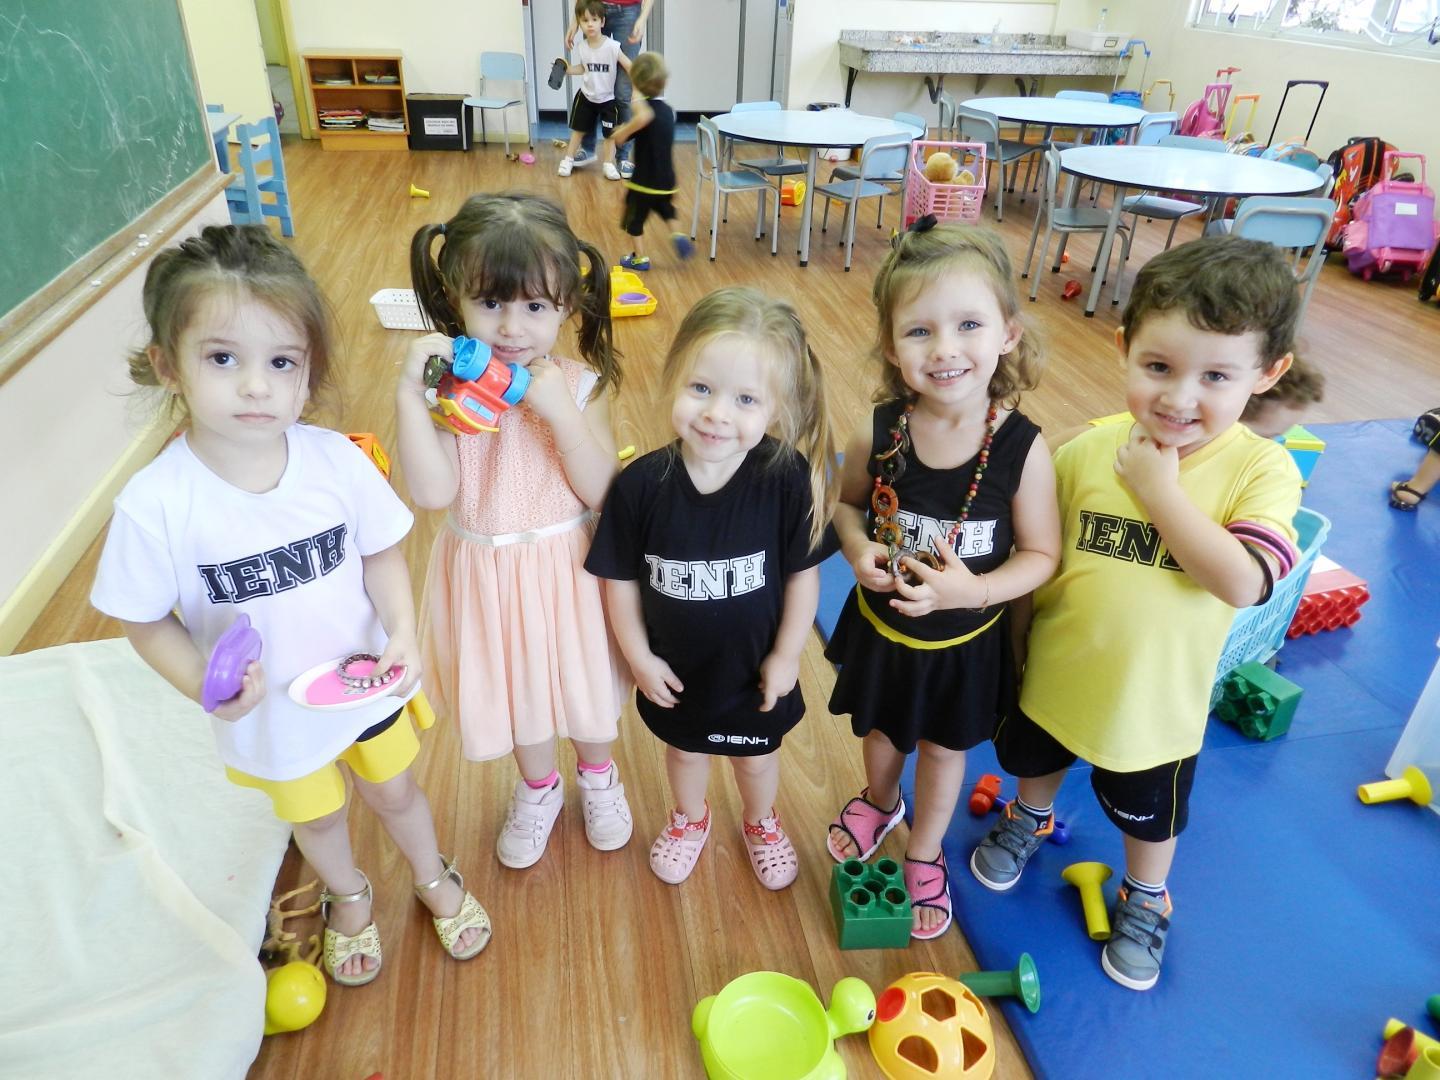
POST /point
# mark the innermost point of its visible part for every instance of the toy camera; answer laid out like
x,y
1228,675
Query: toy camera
x,y
476,388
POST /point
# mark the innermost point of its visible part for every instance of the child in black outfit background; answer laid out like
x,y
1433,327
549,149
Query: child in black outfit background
x,y
651,188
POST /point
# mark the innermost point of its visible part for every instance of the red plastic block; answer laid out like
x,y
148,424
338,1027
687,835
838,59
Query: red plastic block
x,y
1332,599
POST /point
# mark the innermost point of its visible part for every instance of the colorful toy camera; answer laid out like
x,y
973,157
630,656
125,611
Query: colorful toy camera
x,y
475,390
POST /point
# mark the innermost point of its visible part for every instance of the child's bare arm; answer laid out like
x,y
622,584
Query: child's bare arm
x,y
168,648
867,559
780,670
1212,557
653,676
387,582
428,456
624,62
640,116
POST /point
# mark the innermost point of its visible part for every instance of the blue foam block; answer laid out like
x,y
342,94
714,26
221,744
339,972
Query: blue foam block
x,y
1303,919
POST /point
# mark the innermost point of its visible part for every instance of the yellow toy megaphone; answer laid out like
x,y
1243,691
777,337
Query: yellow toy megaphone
x,y
1088,877
418,192
294,996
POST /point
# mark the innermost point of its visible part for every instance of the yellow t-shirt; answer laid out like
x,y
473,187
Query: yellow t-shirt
x,y
1124,644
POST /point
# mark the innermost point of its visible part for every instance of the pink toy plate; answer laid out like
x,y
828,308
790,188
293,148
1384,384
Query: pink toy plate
x,y
322,688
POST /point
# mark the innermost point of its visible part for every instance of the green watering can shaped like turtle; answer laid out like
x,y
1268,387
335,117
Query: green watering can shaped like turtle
x,y
768,1026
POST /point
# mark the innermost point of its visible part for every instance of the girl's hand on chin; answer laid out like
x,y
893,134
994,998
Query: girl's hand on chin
x,y
548,395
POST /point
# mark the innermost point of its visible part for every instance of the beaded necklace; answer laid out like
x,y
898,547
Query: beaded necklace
x,y
886,504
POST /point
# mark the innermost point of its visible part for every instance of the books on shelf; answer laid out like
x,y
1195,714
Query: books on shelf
x,y
385,121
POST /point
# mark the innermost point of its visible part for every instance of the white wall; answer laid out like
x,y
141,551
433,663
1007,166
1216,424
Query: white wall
x,y
440,40
816,73
67,416
1371,93
229,63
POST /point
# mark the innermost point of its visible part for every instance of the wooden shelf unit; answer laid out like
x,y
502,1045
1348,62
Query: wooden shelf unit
x,y
356,92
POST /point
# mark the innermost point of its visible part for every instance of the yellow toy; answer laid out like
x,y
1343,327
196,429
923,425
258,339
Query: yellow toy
x,y
1413,785
628,294
940,168
928,1026
792,193
294,992
1088,877
418,192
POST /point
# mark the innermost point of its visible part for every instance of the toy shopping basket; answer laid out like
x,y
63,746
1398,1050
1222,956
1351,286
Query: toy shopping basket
x,y
957,201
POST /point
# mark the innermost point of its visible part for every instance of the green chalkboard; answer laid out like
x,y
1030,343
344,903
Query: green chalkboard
x,y
100,120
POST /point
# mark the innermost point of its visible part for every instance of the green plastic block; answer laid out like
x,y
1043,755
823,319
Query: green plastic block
x,y
870,905
1258,702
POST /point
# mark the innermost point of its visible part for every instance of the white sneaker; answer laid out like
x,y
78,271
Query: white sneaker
x,y
566,164
611,172
527,828
607,815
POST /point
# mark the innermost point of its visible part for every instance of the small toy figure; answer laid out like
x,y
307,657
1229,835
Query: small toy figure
x,y
940,168
470,396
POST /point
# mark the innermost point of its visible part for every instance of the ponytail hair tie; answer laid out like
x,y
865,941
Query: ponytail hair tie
x,y
440,228
924,223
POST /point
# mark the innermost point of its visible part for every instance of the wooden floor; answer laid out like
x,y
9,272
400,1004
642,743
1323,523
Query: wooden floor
x,y
595,964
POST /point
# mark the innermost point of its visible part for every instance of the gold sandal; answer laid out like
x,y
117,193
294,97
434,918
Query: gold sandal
x,y
340,948
471,915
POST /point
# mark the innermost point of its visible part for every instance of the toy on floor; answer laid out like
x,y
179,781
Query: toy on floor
x,y
1071,290
626,452
1088,877
766,1024
629,295
984,794
1427,1065
526,158
237,648
346,683
1332,598
1305,450
928,1026
418,193
792,193
1413,785
1258,701
470,393
870,905
1397,1054
373,450
1422,1041
294,992
1023,981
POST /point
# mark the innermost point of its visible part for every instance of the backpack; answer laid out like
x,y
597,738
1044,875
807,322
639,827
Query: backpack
x,y
1357,165
1430,280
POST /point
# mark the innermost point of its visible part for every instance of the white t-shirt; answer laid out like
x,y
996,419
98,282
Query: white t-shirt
x,y
289,558
602,64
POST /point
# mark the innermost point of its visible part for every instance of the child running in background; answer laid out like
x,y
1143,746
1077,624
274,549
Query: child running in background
x,y
251,512
1170,523
947,513
710,548
1284,405
596,59
651,187
514,636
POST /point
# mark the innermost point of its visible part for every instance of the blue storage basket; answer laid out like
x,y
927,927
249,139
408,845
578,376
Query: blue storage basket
x,y
1258,632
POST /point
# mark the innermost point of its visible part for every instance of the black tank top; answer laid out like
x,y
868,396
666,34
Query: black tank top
x,y
654,166
930,501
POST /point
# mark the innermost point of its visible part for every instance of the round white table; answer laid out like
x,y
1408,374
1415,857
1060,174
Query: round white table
x,y
1058,112
1173,168
801,127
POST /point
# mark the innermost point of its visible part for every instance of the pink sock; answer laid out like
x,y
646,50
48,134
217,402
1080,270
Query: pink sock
x,y
546,782
585,766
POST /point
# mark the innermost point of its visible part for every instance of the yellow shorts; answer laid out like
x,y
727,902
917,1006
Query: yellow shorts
x,y
322,792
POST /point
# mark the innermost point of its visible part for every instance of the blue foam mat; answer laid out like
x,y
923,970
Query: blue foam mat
x,y
1303,919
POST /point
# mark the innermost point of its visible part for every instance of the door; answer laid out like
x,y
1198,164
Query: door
x,y
701,45
548,20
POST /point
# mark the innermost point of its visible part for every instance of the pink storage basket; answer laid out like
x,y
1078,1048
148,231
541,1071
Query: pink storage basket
x,y
948,202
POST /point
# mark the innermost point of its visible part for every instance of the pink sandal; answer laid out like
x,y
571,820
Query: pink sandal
x,y
928,884
774,860
860,818
677,849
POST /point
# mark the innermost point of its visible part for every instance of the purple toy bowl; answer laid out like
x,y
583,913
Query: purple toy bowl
x,y
225,673
633,298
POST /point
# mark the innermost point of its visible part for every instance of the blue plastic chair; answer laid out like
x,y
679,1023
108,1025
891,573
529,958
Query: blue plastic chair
x,y
972,125
901,176
727,182
1158,129
1063,219
881,156
254,195
502,67
1296,223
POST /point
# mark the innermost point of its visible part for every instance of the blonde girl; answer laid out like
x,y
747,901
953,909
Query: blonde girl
x,y
710,551
252,512
947,513
514,637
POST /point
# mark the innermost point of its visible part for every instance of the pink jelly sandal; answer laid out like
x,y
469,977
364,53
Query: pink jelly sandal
x,y
677,849
774,859
860,818
928,884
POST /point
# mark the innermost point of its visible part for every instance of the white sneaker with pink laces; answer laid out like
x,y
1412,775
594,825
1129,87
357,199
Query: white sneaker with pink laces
x,y
527,828
608,824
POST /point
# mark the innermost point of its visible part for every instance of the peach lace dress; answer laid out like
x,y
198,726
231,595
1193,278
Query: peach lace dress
x,y
514,637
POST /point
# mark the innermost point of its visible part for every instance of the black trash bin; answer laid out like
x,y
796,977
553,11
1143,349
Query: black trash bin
x,y
439,121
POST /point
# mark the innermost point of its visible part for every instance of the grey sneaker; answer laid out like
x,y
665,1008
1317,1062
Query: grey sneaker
x,y
1138,930
1001,857
583,158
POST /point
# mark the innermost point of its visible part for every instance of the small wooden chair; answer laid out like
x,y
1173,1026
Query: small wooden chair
x,y
246,195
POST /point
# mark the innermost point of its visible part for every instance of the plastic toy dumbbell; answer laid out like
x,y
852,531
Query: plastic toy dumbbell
x,y
473,390
1413,785
1022,982
984,794
1088,877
